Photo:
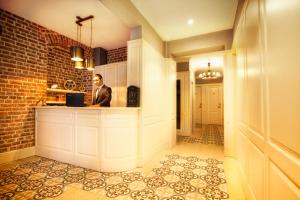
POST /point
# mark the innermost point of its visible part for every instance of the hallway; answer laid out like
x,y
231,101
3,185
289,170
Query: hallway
x,y
187,171
205,134
251,46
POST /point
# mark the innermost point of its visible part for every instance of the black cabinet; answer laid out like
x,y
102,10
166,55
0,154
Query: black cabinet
x,y
133,96
100,56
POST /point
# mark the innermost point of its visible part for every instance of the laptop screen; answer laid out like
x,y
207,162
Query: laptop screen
x,y
75,99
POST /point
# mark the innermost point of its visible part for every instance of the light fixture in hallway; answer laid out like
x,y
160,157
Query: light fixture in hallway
x,y
210,74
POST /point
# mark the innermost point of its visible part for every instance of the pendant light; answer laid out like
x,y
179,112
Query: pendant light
x,y
89,61
78,64
77,53
209,74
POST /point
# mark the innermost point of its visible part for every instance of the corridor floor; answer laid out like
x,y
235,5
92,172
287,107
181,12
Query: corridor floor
x,y
206,134
187,171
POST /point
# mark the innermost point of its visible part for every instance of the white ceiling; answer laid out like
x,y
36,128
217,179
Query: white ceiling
x,y
169,17
60,16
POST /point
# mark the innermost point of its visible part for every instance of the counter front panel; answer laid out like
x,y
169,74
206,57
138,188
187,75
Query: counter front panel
x,y
103,139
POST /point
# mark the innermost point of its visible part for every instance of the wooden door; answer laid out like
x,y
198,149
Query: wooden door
x,y
212,101
214,104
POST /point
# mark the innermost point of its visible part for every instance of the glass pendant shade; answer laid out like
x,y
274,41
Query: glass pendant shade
x,y
79,65
77,53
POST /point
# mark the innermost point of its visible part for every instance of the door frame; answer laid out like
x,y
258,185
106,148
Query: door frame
x,y
194,105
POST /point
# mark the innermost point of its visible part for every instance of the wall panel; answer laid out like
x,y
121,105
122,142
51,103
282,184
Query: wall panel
x,y
157,82
267,57
283,61
253,65
281,187
242,153
256,171
267,49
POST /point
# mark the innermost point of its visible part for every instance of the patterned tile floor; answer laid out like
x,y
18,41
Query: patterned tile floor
x,y
206,134
176,178
185,172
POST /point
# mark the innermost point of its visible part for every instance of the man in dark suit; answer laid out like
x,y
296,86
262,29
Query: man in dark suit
x,y
102,94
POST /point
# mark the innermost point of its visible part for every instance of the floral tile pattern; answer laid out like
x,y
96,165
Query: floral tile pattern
x,y
211,134
176,178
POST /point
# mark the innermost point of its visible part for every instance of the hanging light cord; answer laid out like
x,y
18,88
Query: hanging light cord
x,y
79,34
91,33
91,53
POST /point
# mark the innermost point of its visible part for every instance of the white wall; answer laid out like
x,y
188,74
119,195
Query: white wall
x,y
267,49
229,104
158,102
156,77
114,76
170,101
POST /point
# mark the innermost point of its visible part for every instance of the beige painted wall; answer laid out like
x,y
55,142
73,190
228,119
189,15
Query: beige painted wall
x,y
127,12
200,44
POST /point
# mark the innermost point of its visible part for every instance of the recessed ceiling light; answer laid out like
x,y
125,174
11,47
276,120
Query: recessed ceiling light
x,y
190,21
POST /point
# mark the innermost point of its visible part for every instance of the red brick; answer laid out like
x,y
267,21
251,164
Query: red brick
x,y
33,58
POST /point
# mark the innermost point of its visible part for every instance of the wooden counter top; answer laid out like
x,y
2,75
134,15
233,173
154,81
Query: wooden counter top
x,y
87,108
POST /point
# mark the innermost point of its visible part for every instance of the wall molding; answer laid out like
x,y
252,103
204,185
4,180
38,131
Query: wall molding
x,y
245,184
16,154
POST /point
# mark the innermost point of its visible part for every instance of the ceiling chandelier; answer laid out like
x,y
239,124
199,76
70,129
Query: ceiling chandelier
x,y
209,74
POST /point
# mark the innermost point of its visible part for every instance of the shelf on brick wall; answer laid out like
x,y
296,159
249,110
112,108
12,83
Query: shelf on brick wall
x,y
55,103
62,91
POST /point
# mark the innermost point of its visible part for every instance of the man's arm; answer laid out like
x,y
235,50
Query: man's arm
x,y
107,98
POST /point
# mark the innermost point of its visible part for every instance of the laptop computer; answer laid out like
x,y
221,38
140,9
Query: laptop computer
x,y
75,99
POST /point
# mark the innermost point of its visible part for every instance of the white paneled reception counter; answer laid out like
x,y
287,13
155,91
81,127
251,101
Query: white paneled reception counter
x,y
100,138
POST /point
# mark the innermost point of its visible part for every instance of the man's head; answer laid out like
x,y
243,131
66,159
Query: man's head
x,y
98,80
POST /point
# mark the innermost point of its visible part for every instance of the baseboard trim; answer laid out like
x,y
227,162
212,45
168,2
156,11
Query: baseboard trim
x,y
16,154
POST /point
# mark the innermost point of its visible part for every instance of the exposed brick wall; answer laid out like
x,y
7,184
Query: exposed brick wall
x,y
23,80
61,68
31,59
85,78
117,55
